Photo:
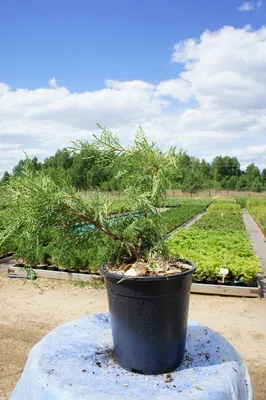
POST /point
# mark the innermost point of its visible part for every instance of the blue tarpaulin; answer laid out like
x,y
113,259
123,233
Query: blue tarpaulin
x,y
75,362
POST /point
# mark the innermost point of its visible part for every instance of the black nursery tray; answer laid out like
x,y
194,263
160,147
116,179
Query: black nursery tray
x,y
200,288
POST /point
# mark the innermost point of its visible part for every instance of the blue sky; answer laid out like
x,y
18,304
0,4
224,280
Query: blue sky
x,y
85,42
118,63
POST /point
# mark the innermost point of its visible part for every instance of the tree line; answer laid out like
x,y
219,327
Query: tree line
x,y
84,171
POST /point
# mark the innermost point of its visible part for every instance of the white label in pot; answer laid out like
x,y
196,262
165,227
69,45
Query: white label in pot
x,y
224,271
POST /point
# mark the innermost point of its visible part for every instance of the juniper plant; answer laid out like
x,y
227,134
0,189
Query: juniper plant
x,y
36,202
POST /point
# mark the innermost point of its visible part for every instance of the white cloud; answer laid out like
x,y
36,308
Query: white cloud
x,y
247,6
226,68
175,88
215,105
255,153
3,88
250,5
52,83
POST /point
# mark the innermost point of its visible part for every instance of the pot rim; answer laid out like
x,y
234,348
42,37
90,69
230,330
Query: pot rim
x,y
113,275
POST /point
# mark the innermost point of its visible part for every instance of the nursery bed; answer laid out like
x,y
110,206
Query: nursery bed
x,y
14,271
186,224
201,288
226,290
219,241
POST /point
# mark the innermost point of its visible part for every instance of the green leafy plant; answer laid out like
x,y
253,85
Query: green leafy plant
x,y
218,241
177,216
222,216
257,207
242,201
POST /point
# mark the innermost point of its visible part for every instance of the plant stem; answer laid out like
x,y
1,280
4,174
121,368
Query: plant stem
x,y
107,231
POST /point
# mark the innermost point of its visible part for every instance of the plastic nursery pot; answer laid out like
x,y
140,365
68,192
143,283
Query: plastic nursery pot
x,y
19,262
236,283
52,268
198,280
226,282
43,266
211,281
149,320
251,284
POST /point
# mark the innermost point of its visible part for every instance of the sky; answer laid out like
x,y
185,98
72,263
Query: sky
x,y
191,73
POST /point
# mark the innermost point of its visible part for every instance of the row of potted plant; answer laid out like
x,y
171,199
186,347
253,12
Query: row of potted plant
x,y
55,252
257,208
218,240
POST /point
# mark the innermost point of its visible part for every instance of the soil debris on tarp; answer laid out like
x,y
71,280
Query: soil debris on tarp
x,y
154,267
169,377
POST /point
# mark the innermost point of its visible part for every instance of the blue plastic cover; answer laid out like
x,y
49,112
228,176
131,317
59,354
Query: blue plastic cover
x,y
75,362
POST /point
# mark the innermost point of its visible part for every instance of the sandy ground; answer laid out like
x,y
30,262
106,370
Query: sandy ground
x,y
27,314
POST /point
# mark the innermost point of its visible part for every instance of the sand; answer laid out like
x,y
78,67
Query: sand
x,y
28,313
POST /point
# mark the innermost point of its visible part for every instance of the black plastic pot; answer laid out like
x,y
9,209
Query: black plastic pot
x,y
149,320
52,268
236,283
225,283
211,281
44,266
250,284
198,280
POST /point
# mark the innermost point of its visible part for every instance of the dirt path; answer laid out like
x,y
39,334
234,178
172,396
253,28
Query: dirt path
x,y
27,314
258,242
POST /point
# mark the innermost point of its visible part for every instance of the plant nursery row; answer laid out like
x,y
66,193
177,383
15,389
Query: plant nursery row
x,y
257,208
218,240
53,250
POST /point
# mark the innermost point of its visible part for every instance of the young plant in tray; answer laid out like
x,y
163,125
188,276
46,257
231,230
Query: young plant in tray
x,y
145,286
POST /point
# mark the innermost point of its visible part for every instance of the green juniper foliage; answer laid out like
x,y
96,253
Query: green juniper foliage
x,y
37,203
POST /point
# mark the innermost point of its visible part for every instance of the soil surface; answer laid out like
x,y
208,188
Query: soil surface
x,y
157,267
28,312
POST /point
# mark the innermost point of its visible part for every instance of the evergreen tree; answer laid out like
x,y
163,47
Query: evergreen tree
x,y
5,179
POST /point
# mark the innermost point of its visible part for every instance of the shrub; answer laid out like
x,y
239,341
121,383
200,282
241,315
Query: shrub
x,y
257,207
242,201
